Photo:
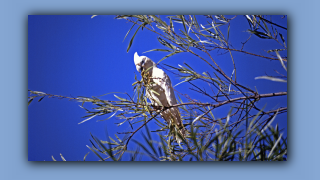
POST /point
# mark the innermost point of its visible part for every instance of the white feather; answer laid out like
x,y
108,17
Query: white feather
x,y
163,87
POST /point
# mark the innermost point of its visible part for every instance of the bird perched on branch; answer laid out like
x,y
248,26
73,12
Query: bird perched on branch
x,y
160,92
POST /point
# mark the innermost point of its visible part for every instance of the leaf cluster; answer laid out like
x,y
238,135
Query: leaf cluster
x,y
245,133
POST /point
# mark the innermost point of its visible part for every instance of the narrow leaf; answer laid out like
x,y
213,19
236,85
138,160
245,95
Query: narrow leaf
x,y
284,42
53,158
62,157
41,99
159,20
184,24
30,101
129,31
176,52
89,118
269,122
275,146
271,78
195,21
95,153
130,43
282,63
228,33
84,158
163,50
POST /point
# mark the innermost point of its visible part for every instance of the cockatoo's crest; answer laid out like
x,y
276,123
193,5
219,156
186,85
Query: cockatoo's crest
x,y
142,62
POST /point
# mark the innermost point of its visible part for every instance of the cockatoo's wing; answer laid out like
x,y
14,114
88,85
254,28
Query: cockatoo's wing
x,y
165,84
167,98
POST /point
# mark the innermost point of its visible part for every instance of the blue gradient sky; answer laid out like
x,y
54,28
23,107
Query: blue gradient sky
x,y
79,56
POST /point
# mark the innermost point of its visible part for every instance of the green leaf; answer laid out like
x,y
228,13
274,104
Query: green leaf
x,y
88,118
284,42
30,101
62,157
249,20
110,116
163,50
165,43
268,125
183,21
41,98
189,66
153,91
260,34
267,29
161,27
121,99
122,103
159,20
95,153
171,25
176,52
53,158
84,158
228,33
271,78
274,50
195,21
215,36
145,18
278,140
281,61
199,117
144,148
186,80
130,43
129,31
118,138
135,83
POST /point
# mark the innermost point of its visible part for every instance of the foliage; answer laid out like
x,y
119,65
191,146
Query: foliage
x,y
245,133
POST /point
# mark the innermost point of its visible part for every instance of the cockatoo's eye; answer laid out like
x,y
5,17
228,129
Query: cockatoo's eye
x,y
142,64
143,61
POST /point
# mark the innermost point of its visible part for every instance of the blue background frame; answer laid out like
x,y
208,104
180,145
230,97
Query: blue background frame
x,y
303,87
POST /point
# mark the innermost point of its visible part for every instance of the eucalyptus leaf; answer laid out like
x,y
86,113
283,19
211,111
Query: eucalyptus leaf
x,y
271,78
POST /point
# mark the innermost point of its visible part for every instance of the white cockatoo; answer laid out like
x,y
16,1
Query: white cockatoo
x,y
162,85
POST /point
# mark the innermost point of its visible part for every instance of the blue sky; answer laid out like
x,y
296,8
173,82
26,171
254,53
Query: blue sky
x,y
79,56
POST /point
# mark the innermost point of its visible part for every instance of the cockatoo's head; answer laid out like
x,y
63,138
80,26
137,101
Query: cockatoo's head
x,y
142,62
